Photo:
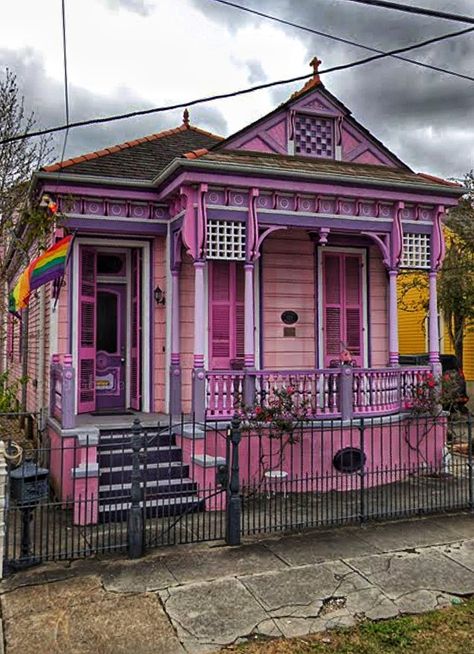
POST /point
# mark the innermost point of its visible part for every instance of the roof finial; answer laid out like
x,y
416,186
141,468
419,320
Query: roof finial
x,y
315,64
186,118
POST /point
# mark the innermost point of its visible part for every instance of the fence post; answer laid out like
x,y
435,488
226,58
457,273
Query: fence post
x,y
67,393
362,473
234,508
3,508
346,392
469,461
136,514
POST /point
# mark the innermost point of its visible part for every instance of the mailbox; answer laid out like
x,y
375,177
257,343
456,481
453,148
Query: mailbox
x,y
29,483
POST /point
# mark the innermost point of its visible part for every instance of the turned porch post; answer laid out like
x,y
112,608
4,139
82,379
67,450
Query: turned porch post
x,y
249,333
199,376
393,347
437,252
433,326
175,362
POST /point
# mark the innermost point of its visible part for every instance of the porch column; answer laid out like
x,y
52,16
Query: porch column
x,y
249,333
199,376
175,362
393,348
433,324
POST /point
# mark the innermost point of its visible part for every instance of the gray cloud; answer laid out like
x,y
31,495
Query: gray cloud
x,y
399,102
425,117
45,96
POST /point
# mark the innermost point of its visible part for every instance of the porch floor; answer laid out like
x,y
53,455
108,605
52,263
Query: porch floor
x,y
120,421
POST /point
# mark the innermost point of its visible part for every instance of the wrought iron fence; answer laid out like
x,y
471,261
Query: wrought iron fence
x,y
126,490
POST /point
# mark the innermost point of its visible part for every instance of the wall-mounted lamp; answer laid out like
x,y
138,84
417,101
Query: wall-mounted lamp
x,y
159,296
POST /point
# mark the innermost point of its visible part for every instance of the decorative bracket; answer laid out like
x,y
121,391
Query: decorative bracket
x,y
264,235
381,241
438,245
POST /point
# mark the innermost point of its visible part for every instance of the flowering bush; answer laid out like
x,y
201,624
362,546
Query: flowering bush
x,y
280,410
431,394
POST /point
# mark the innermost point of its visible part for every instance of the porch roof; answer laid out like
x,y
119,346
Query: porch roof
x,y
319,169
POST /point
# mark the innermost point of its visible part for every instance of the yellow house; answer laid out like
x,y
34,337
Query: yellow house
x,y
412,329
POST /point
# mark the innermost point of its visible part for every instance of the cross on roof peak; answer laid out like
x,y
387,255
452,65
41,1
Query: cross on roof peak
x,y
315,64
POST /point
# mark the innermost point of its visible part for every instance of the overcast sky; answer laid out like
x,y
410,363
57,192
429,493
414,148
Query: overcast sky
x,y
134,54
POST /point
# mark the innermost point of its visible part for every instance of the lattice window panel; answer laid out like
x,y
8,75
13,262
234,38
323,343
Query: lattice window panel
x,y
416,251
225,240
314,136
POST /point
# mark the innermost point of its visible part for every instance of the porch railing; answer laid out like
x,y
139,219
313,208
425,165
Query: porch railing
x,y
62,389
357,392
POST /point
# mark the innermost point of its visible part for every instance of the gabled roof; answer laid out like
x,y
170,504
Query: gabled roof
x,y
312,85
141,159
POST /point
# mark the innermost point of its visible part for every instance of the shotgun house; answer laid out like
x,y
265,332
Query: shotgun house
x,y
205,270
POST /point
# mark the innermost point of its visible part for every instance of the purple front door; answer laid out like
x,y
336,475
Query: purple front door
x,y
111,311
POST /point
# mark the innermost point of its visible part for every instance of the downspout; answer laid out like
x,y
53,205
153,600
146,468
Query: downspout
x,y
41,352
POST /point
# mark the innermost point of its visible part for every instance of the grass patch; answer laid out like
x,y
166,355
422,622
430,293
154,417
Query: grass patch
x,y
446,631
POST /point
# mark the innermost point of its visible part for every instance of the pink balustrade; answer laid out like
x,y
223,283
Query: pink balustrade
x,y
375,391
224,391
319,388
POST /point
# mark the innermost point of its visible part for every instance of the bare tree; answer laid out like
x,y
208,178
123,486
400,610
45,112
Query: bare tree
x,y
18,160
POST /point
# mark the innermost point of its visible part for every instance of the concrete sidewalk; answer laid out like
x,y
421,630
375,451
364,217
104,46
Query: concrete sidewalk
x,y
200,598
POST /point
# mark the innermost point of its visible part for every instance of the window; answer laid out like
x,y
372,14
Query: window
x,y
225,240
416,251
314,136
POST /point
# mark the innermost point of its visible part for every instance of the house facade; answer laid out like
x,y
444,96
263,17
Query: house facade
x,y
205,271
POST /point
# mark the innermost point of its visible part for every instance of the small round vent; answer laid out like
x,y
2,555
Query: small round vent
x,y
349,459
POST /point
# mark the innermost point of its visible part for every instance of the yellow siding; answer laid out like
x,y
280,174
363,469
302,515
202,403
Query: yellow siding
x,y
411,326
412,336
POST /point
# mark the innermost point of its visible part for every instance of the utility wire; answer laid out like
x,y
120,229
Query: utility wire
x,y
233,94
339,38
434,13
66,86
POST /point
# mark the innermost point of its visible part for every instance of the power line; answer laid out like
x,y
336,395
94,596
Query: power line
x,y
434,13
339,38
66,86
232,94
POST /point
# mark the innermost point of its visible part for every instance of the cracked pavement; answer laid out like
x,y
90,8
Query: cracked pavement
x,y
197,599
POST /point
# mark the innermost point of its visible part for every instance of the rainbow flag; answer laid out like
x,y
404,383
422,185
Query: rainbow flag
x,y
48,266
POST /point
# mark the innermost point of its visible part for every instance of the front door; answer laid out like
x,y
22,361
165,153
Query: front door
x,y
111,311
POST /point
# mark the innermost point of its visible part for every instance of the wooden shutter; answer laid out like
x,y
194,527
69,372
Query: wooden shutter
x,y
135,349
227,325
332,310
342,305
220,312
353,306
239,311
87,329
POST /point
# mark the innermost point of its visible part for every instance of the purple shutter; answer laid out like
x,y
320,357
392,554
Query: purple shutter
x,y
239,312
353,306
332,309
220,312
342,310
87,330
135,350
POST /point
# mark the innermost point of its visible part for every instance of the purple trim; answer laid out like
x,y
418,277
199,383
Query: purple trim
x,y
300,186
98,191
175,406
438,246
393,318
312,222
249,319
102,224
433,320
224,213
396,237
199,310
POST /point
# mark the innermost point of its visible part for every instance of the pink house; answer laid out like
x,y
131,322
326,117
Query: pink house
x,y
205,269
